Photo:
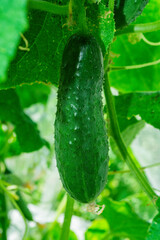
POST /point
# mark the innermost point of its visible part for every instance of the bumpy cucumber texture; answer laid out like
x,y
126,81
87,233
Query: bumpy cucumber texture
x,y
80,135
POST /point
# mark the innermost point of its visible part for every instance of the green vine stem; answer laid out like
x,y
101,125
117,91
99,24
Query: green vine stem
x,y
120,143
67,218
59,211
3,217
140,28
128,171
48,7
117,68
149,42
111,5
78,13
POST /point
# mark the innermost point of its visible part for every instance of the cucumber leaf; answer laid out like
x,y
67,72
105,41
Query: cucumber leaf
x,y
31,94
42,62
127,11
154,230
98,230
13,21
123,221
144,104
26,130
125,53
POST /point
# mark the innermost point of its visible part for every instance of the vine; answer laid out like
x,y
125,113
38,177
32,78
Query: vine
x,y
48,7
140,28
116,68
120,143
149,42
67,218
111,5
128,171
78,14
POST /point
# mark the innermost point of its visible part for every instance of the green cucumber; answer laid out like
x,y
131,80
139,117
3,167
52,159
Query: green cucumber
x,y
23,206
81,143
13,179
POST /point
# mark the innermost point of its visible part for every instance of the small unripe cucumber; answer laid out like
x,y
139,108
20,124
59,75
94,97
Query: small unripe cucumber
x,y
24,208
81,143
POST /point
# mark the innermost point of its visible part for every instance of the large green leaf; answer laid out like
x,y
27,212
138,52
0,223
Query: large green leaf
x,y
154,230
31,94
142,79
146,104
26,130
55,233
123,221
142,205
46,39
13,21
127,11
42,62
98,230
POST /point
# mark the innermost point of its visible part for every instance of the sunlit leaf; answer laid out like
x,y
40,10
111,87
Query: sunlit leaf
x,y
13,21
123,221
154,230
146,105
26,130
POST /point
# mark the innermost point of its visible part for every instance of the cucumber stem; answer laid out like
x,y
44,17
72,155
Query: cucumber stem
x,y
140,28
117,68
128,171
48,7
67,218
59,211
111,5
149,42
120,143
78,13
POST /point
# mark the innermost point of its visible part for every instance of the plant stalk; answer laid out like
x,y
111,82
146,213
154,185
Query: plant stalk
x,y
67,219
149,42
78,13
48,7
117,68
140,28
111,5
128,171
120,143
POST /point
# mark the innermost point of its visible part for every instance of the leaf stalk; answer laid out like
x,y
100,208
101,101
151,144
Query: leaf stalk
x,y
140,28
67,218
48,7
120,143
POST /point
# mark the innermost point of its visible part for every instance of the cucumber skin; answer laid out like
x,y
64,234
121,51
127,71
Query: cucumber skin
x,y
81,143
24,208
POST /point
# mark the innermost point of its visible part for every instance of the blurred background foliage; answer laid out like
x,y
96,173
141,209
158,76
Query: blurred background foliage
x,y
126,206
27,113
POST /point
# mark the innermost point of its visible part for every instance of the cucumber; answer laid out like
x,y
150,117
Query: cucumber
x,y
12,179
81,143
23,206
